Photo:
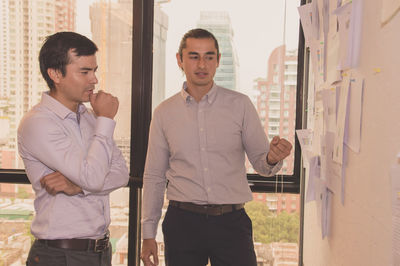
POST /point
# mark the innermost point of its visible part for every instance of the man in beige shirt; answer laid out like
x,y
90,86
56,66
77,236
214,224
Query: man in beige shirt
x,y
197,145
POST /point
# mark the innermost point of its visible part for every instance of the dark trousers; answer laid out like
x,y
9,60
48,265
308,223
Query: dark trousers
x,y
192,238
43,255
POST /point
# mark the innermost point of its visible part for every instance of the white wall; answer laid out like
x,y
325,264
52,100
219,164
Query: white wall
x,y
361,229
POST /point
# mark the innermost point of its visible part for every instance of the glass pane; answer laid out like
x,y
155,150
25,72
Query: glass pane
x,y
24,25
16,213
258,43
276,224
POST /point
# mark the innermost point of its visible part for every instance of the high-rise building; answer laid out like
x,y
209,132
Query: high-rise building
x,y
111,26
276,106
219,24
24,25
276,101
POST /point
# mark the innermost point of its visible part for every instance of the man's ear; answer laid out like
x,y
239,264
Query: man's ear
x,y
219,58
179,61
54,74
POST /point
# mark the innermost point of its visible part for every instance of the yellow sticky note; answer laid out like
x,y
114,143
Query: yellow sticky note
x,y
377,70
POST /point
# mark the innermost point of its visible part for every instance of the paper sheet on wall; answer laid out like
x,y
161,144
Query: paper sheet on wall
x,y
317,61
305,139
329,107
341,120
325,16
354,46
350,27
395,177
389,9
315,21
333,51
323,203
353,139
318,129
343,15
326,205
306,19
313,178
331,171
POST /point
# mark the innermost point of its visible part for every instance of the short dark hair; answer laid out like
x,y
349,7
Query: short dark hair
x,y
197,34
54,52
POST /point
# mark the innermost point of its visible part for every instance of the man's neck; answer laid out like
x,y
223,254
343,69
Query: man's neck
x,y
197,92
70,105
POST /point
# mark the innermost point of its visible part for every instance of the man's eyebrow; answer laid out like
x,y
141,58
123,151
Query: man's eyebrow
x,y
207,53
88,68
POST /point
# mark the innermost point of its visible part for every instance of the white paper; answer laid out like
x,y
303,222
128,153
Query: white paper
x,y
331,171
355,112
315,19
343,15
317,61
326,213
341,120
329,107
389,9
333,51
355,29
325,15
306,19
305,139
318,124
313,177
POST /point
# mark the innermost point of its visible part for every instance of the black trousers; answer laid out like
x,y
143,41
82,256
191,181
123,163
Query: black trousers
x,y
191,239
42,255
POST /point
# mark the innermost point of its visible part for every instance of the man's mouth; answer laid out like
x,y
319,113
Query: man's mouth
x,y
201,74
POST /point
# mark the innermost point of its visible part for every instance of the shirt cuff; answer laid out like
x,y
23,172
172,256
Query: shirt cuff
x,y
149,231
276,167
105,127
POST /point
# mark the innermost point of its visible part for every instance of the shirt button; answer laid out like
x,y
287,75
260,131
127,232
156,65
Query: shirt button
x,y
205,169
201,129
203,149
208,189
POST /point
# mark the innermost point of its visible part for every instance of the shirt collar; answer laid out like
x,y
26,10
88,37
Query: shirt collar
x,y
58,108
210,96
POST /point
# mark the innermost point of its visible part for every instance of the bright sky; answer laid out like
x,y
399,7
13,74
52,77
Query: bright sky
x,y
257,25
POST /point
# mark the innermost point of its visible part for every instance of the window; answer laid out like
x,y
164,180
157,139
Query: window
x,y
235,48
16,200
11,190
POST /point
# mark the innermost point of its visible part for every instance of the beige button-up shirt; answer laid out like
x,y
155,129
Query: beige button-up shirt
x,y
197,150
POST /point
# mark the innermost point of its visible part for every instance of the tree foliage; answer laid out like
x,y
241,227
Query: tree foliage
x,y
267,227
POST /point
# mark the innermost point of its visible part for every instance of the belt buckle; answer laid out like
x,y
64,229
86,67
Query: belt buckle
x,y
101,244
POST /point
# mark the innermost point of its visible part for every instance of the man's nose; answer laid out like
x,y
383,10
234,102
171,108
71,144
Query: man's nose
x,y
94,79
202,62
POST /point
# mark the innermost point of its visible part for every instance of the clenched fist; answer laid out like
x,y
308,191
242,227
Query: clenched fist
x,y
104,104
279,149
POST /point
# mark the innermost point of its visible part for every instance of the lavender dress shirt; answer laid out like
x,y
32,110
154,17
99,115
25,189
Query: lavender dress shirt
x,y
80,146
199,148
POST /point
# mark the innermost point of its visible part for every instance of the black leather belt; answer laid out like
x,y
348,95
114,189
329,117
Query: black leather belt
x,y
209,209
96,245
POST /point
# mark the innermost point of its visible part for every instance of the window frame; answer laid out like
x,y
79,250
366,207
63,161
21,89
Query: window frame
x,y
141,109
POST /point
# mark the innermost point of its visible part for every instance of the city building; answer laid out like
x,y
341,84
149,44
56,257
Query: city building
x,y
23,27
111,26
276,100
219,24
276,106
